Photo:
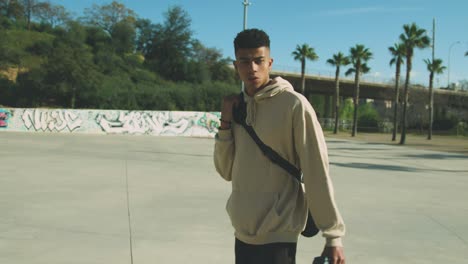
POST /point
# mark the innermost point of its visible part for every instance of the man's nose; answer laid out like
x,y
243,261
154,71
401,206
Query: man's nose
x,y
253,66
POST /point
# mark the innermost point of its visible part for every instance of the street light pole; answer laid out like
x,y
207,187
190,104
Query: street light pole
x,y
246,3
448,65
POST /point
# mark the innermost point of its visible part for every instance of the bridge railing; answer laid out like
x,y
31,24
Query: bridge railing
x,y
372,77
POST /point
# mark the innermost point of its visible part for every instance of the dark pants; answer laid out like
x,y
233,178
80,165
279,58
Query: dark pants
x,y
274,253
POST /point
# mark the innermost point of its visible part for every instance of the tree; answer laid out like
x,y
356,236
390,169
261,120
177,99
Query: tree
x,y
303,53
70,69
54,15
98,39
201,61
172,45
30,8
434,67
398,52
338,60
123,37
108,16
145,34
11,9
210,62
359,55
10,55
413,37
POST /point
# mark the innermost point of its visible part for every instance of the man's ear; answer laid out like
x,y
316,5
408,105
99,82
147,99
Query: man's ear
x,y
235,64
270,63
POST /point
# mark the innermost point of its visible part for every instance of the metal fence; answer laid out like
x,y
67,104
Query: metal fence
x,y
329,124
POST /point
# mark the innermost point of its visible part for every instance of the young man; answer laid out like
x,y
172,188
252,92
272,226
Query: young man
x,y
268,207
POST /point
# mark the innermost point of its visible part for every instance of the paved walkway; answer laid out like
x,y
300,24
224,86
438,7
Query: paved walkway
x,y
63,200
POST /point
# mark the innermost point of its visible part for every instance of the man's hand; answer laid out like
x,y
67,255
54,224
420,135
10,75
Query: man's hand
x,y
334,254
226,109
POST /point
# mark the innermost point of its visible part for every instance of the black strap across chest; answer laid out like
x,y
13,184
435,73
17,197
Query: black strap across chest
x,y
239,115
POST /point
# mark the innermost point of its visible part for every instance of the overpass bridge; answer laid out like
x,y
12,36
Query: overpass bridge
x,y
377,91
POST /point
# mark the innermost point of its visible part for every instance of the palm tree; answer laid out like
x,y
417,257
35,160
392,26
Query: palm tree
x,y
398,52
364,69
434,67
338,60
359,55
413,37
302,53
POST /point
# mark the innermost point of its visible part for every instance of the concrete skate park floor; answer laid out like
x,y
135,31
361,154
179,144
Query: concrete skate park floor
x,y
64,199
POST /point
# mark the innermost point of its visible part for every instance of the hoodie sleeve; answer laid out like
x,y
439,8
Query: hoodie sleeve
x,y
224,153
312,152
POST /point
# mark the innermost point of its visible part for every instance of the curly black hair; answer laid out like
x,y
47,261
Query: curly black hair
x,y
251,38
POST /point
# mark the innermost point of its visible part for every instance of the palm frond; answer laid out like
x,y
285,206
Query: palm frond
x,y
435,66
303,52
398,52
350,71
338,59
359,55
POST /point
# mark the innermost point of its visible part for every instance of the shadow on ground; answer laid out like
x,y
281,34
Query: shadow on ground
x,y
368,166
438,156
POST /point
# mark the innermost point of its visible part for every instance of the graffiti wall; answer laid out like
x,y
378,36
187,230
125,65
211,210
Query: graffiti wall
x,y
158,123
4,117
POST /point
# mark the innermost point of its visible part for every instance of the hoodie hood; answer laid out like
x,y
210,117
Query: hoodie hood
x,y
275,87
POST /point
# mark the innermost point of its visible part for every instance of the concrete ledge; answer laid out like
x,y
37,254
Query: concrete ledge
x,y
156,123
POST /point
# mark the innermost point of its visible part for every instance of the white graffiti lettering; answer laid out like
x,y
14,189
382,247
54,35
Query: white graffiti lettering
x,y
160,123
51,120
155,123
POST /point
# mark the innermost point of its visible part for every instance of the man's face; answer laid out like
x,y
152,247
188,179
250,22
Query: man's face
x,y
253,66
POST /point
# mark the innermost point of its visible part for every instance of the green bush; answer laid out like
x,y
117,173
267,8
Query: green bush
x,y
346,110
318,103
444,120
368,117
462,129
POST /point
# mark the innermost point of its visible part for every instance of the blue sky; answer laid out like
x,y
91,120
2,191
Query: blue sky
x,y
328,26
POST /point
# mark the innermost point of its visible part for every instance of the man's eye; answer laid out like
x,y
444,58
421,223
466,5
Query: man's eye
x,y
259,61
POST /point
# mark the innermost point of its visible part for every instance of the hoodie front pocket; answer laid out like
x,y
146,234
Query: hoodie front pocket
x,y
253,213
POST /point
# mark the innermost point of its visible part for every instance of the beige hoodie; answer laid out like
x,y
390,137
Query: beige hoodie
x,y
268,205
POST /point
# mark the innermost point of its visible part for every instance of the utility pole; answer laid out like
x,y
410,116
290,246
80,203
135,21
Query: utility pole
x,y
433,39
431,84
